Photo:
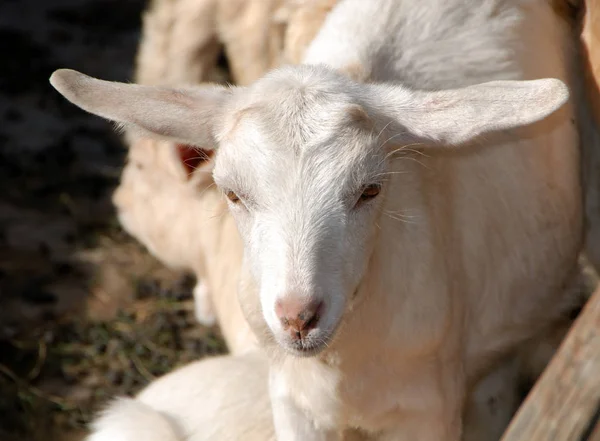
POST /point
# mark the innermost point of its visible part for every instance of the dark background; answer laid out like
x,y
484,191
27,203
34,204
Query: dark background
x,y
85,313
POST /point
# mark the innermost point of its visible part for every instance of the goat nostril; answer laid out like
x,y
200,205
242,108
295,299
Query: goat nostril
x,y
299,318
312,322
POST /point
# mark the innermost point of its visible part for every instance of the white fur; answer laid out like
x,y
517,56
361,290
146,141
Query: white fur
x,y
227,398
181,39
463,254
218,399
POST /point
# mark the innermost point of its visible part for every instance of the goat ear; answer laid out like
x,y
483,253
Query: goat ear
x,y
187,116
458,116
192,158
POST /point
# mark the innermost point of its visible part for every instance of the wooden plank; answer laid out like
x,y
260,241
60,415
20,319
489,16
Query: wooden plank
x,y
564,403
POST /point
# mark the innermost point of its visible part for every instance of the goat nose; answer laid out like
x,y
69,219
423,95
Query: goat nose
x,y
298,317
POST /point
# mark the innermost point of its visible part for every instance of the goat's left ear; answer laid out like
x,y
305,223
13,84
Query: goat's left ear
x,y
192,158
457,116
187,116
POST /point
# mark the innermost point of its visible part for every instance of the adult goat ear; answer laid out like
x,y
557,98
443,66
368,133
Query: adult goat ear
x,y
187,116
457,116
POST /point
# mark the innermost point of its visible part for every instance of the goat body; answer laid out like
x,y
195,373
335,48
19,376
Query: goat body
x,y
403,231
182,39
489,234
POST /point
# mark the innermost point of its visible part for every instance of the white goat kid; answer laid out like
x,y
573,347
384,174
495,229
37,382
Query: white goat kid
x,y
389,271
221,399
154,187
184,222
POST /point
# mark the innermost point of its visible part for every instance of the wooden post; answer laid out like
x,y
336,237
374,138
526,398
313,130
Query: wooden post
x,y
564,405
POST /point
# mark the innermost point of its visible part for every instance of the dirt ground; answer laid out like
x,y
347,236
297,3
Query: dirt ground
x,y
85,312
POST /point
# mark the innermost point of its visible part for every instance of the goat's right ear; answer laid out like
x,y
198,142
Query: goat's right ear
x,y
185,116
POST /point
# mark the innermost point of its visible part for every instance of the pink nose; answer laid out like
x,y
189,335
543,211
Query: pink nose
x,y
298,316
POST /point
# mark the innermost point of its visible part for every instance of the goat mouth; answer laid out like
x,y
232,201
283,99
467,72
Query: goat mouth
x,y
306,351
315,343
308,347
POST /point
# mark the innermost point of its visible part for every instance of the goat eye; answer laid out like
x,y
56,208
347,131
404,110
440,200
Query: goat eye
x,y
369,192
232,197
